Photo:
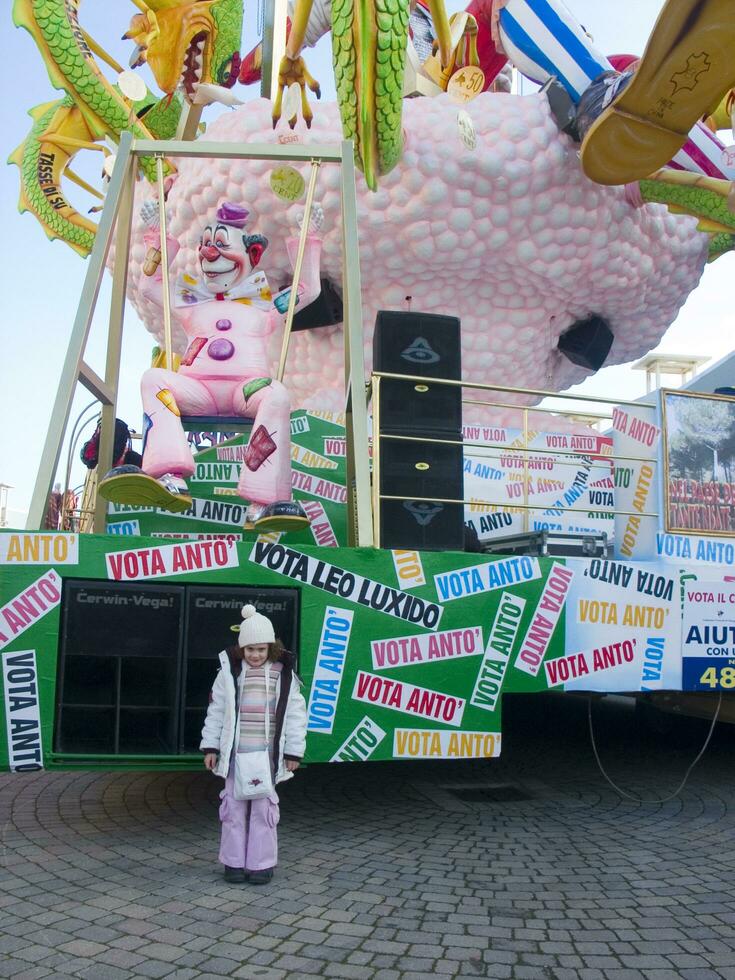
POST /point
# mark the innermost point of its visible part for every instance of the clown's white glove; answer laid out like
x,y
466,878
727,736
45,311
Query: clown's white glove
x,y
150,215
316,220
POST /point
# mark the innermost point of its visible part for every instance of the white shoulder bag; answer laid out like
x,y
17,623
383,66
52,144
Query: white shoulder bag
x,y
254,770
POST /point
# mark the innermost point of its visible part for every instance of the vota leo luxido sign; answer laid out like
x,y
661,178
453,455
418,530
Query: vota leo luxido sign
x,y
403,655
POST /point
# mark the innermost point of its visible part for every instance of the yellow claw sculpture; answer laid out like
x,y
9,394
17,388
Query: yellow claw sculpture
x,y
369,40
187,43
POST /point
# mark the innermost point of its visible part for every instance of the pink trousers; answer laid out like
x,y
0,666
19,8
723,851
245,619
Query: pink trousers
x,y
265,474
249,834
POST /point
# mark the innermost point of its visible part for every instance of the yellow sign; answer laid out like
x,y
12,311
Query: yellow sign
x,y
466,83
39,549
287,183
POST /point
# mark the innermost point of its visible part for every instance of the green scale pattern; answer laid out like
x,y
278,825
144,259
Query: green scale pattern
x,y
355,71
79,78
227,16
61,226
698,201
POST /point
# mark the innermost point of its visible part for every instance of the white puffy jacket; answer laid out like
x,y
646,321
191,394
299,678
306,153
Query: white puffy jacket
x,y
221,725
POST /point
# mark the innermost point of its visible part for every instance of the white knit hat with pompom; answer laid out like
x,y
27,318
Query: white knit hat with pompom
x,y
255,628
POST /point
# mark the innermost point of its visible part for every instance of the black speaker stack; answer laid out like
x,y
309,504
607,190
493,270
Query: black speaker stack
x,y
428,346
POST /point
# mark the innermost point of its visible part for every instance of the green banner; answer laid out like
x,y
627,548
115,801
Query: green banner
x,y
108,653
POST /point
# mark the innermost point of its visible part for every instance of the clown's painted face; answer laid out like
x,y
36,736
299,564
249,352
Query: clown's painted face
x,y
223,258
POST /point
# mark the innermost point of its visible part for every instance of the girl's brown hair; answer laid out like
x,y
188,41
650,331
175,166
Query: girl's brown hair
x,y
275,651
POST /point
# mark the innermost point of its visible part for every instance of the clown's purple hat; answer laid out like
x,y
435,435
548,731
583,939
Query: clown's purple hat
x,y
232,214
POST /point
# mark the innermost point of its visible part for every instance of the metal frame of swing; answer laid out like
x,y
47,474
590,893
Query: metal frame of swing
x,y
116,218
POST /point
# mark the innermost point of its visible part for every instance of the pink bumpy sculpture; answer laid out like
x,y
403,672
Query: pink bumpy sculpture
x,y
510,236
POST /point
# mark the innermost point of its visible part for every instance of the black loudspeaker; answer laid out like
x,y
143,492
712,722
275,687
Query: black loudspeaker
x,y
425,469
424,344
587,342
325,311
417,343
118,668
137,660
414,408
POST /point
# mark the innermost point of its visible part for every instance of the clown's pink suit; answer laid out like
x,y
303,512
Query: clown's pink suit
x,y
225,371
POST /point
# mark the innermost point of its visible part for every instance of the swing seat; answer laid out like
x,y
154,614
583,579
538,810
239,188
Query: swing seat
x,y
216,423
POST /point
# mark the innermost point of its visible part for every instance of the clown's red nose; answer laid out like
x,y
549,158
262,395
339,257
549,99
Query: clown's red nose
x,y
209,252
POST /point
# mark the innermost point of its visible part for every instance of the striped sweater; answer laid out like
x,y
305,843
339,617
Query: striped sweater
x,y
253,700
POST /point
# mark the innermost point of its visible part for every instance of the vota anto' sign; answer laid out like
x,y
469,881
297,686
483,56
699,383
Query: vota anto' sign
x,y
486,578
408,698
538,637
26,608
22,713
409,569
171,559
412,743
495,661
38,548
360,743
426,647
575,665
330,664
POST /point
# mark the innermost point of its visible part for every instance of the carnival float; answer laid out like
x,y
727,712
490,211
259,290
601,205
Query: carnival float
x,y
455,250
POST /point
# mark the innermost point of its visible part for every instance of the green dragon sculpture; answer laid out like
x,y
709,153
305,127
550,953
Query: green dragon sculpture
x,y
187,44
369,39
704,198
194,44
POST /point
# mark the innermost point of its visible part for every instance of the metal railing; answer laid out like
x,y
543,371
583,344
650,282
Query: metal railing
x,y
525,450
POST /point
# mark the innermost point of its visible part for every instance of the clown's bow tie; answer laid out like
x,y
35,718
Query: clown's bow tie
x,y
253,291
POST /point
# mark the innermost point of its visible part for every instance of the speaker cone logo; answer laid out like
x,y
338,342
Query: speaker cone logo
x,y
422,512
420,352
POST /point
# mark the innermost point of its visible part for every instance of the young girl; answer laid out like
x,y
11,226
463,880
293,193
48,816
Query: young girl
x,y
255,703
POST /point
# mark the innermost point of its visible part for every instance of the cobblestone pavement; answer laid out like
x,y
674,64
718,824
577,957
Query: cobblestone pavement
x,y
385,872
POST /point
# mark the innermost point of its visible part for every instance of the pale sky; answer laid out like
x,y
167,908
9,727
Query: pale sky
x,y
41,280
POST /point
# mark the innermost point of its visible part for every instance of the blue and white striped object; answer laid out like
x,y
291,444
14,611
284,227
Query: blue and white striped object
x,y
542,40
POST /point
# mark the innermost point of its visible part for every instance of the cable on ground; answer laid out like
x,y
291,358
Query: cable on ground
x,y
682,784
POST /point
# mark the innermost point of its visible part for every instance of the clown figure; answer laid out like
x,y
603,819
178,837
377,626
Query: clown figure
x,y
228,314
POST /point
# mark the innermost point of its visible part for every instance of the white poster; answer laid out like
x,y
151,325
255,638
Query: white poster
x,y
636,436
708,636
623,624
22,713
564,483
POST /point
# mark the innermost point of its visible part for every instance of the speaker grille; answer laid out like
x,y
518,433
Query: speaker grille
x,y
415,408
421,469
